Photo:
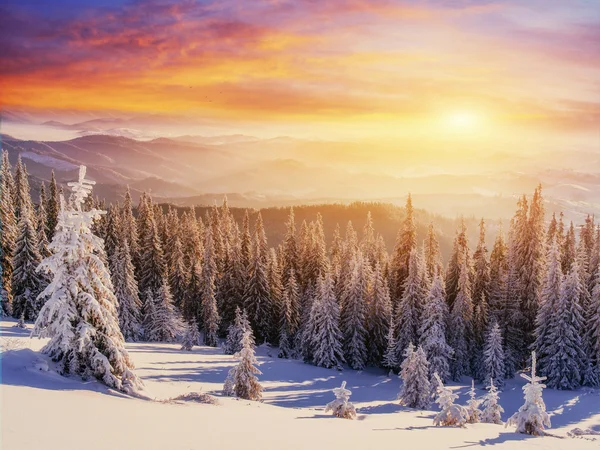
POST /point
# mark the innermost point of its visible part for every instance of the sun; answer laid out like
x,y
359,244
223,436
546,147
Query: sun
x,y
463,121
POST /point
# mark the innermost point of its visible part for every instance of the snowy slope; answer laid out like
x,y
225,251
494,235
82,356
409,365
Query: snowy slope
x,y
41,409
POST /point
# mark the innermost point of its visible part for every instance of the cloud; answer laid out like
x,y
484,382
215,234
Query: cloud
x,y
301,60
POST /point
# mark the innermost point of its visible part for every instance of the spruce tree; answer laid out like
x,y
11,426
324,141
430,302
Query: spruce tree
x,y
40,221
389,357
498,278
290,248
473,411
191,336
257,294
406,242
451,414
341,406
480,295
178,272
353,316
566,360
531,418
235,332
414,371
8,233
52,207
27,282
129,231
547,310
433,331
534,265
493,356
492,411
82,324
460,331
276,295
210,314
126,292
378,316
246,385
285,334
433,257
325,317
593,325
162,322
153,270
408,311
460,255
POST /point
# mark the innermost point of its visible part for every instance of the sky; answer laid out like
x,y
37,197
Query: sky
x,y
523,74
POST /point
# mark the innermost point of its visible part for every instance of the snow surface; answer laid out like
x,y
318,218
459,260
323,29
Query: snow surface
x,y
41,409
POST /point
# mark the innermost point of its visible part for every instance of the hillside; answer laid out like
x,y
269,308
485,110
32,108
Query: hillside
x,y
291,415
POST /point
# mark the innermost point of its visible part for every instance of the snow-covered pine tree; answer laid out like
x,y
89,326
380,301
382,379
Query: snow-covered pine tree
x,y
341,406
532,273
389,357
82,324
257,294
235,332
409,309
246,384
565,365
433,330
406,242
547,310
473,411
22,195
112,238
40,222
153,270
325,318
52,207
414,371
451,414
126,292
276,296
129,230
352,316
290,249
492,411
8,235
498,278
379,313
191,336
531,418
293,293
285,333
480,295
460,254
162,323
210,314
493,356
178,271
433,257
568,251
593,323
460,331
481,268
27,282
231,287
229,386
511,320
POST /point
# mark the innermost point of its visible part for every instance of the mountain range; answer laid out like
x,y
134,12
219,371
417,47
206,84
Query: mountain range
x,y
254,172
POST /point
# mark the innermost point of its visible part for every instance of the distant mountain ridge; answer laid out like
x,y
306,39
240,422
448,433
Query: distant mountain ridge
x,y
285,171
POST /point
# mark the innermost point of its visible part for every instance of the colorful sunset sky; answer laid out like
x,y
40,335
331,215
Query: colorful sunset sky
x,y
473,71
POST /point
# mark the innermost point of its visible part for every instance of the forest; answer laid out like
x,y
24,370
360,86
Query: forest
x,y
346,301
